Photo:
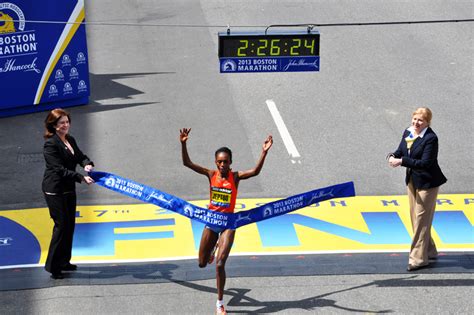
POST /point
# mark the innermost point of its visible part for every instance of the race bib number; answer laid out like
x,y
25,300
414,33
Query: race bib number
x,y
221,197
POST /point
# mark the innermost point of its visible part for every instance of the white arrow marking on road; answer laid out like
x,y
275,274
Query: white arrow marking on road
x,y
285,135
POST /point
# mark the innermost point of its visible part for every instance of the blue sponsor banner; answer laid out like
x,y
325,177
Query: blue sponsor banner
x,y
43,56
276,64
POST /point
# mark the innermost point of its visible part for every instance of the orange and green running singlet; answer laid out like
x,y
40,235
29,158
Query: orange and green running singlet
x,y
223,193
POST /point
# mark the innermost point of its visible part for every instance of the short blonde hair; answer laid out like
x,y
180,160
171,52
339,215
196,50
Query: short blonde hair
x,y
425,112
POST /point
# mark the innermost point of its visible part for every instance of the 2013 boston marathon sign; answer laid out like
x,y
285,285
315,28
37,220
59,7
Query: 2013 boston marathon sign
x,y
269,52
43,55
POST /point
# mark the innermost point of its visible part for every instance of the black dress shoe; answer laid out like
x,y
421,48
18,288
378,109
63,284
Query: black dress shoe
x,y
57,275
69,267
414,267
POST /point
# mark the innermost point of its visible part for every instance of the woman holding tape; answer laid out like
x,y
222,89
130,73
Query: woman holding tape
x,y
62,155
223,193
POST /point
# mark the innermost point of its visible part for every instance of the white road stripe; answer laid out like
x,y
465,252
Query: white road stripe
x,y
285,135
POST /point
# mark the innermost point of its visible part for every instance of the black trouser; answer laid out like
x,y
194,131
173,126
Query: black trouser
x,y
62,209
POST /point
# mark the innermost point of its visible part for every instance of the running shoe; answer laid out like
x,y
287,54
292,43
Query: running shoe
x,y
220,310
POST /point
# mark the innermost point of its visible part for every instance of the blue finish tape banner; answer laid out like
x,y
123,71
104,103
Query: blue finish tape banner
x,y
43,59
216,219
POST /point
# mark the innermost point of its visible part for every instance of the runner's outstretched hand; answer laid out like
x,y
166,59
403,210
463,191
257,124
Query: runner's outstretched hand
x,y
184,134
268,143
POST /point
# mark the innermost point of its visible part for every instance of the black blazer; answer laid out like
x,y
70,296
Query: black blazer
x,y
422,161
60,174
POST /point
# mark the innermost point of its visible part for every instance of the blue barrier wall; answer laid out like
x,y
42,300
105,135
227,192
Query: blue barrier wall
x,y
43,59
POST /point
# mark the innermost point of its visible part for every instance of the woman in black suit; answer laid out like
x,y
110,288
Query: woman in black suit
x,y
418,152
62,154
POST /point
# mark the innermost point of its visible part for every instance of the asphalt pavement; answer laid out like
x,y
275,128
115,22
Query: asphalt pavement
x,y
149,81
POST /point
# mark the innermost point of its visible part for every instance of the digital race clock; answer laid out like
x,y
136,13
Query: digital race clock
x,y
276,52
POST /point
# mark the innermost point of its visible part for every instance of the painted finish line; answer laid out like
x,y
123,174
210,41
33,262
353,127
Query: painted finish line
x,y
145,232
